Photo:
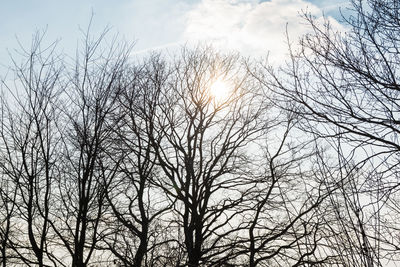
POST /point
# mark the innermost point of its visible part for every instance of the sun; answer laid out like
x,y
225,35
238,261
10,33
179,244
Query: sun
x,y
220,90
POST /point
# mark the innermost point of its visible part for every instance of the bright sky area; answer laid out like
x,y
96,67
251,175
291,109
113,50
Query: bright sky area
x,y
252,27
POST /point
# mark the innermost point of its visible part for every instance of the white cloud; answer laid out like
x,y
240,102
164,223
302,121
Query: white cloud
x,y
251,27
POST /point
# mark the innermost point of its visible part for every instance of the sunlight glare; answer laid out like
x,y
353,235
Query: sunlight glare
x,y
220,90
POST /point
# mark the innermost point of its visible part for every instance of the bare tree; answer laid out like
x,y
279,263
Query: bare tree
x,y
86,168
135,201
200,143
30,147
346,87
283,221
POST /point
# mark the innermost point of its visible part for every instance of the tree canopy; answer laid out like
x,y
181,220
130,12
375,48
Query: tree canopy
x,y
205,158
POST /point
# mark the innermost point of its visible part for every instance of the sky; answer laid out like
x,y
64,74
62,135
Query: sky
x,y
252,27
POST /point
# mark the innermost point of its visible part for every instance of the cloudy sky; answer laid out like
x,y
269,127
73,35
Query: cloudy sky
x,y
253,27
